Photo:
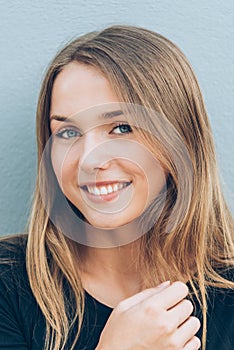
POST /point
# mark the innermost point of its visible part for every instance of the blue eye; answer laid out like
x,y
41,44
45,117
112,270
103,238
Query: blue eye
x,y
67,134
122,129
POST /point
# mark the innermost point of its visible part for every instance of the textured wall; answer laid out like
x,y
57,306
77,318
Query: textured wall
x,y
32,32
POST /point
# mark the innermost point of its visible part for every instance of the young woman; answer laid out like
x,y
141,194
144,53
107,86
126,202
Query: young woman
x,y
130,242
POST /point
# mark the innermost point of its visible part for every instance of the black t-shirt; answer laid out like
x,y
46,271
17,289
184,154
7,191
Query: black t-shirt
x,y
22,324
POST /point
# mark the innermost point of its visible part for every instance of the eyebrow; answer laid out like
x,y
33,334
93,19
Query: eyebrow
x,y
106,115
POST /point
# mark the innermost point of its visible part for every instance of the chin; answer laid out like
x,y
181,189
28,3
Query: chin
x,y
105,226
113,223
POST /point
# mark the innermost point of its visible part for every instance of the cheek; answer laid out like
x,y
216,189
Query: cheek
x,y
157,181
154,179
64,164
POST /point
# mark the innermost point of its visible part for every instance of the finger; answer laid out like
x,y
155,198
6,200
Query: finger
x,y
179,313
170,296
193,344
187,330
139,297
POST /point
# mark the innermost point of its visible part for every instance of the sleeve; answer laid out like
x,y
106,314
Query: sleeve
x,y
11,336
220,318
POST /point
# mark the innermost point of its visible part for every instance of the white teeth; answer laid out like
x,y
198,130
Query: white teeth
x,y
120,186
103,190
89,188
96,191
110,189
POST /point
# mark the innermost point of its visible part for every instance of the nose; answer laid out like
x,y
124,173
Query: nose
x,y
94,155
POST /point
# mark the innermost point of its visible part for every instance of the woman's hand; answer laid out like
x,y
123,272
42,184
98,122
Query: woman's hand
x,y
155,319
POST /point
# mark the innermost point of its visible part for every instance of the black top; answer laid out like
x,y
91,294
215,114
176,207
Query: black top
x,y
22,324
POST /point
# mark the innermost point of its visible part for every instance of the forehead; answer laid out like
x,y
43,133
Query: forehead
x,y
79,87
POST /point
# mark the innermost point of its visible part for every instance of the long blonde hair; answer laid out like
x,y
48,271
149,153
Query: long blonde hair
x,y
147,69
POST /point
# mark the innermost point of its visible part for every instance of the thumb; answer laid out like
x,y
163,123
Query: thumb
x,y
141,296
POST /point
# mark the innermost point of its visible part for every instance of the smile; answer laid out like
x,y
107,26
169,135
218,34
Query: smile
x,y
102,190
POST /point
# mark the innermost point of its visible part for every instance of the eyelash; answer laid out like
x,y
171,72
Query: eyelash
x,y
123,124
61,133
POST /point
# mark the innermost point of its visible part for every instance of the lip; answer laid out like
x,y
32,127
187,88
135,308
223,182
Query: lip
x,y
104,197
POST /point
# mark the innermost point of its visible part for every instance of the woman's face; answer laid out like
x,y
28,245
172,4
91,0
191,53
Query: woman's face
x,y
100,163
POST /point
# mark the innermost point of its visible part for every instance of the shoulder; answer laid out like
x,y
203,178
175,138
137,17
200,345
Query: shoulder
x,y
222,297
12,246
220,320
21,322
12,259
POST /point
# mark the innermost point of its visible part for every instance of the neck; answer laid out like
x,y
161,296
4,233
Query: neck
x,y
111,274
116,260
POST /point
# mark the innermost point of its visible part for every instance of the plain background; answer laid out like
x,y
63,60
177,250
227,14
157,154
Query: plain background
x,y
31,32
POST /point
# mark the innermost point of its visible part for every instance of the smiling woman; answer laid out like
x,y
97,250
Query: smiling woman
x,y
130,241
87,173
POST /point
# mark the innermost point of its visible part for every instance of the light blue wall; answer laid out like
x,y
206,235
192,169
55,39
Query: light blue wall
x,y
31,32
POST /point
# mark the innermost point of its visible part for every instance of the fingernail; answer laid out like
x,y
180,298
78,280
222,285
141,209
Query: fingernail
x,y
164,285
